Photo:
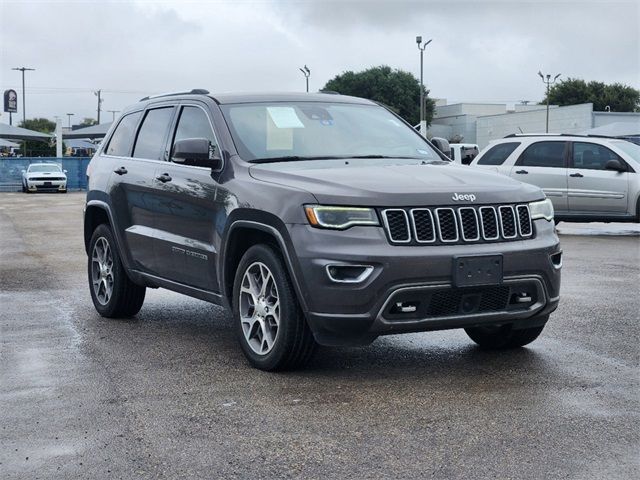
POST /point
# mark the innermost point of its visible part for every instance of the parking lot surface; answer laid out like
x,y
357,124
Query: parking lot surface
x,y
169,394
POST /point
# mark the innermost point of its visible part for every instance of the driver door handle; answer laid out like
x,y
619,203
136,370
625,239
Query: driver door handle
x,y
120,171
579,175
164,178
522,172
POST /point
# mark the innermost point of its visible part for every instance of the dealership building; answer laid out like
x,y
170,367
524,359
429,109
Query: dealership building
x,y
481,123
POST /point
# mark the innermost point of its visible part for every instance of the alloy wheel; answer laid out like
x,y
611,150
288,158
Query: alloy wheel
x,y
102,271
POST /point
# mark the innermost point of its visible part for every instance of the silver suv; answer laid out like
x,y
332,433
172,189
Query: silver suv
x,y
587,178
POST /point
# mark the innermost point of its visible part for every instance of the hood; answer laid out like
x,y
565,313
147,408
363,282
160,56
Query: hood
x,y
367,183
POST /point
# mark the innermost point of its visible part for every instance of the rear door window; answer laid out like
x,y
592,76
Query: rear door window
x,y
122,139
152,136
591,156
497,154
544,154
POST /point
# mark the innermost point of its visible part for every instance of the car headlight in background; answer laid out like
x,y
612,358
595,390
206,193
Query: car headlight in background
x,y
340,218
541,209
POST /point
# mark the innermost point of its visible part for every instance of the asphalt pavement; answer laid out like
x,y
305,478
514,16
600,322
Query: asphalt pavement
x,y
169,394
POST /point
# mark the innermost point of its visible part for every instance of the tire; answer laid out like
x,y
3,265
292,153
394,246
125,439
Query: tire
x,y
503,337
24,189
105,267
272,338
638,211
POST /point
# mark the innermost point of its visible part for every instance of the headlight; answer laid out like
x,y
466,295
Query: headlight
x,y
542,209
340,218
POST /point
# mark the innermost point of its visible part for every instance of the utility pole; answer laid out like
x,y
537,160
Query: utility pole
x,y
113,114
97,94
24,112
547,80
306,72
423,126
69,115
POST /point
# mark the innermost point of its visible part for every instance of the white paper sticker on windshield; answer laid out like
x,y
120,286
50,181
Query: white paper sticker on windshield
x,y
285,117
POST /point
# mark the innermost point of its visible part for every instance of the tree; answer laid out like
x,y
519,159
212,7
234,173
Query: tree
x,y
396,89
37,148
618,97
87,122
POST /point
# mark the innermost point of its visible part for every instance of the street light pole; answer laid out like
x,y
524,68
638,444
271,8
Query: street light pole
x,y
97,94
69,115
547,80
306,72
23,69
113,114
422,112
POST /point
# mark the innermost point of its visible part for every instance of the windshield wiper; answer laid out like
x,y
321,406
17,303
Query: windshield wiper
x,y
288,158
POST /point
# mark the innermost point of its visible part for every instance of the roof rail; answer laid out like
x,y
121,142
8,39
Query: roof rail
x,y
518,135
194,91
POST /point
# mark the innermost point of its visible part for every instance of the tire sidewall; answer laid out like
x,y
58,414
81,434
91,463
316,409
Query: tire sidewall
x,y
289,310
108,310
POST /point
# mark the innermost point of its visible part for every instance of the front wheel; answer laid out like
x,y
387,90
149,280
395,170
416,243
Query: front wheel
x,y
113,293
503,337
270,325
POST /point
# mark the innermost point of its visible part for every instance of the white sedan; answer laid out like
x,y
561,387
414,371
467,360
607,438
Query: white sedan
x,y
44,176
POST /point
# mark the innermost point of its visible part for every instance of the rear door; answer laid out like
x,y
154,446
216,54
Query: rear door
x,y
131,192
592,188
193,208
545,164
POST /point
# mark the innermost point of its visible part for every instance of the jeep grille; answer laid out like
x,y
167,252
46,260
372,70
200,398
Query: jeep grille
x,y
419,226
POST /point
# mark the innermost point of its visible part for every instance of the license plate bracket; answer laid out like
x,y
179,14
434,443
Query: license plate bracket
x,y
47,184
470,271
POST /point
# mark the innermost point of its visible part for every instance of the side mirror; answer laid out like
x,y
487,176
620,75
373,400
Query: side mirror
x,y
24,171
199,152
442,144
64,171
615,164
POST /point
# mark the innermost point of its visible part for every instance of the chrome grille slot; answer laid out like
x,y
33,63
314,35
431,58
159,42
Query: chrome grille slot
x,y
397,223
508,222
489,221
423,226
469,224
447,224
524,220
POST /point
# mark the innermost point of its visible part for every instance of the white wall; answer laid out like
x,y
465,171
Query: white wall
x,y
571,119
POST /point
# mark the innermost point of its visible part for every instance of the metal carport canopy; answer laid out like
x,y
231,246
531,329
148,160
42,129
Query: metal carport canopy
x,y
18,133
94,131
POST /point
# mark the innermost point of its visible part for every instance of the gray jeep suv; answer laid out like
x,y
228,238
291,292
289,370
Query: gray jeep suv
x,y
315,218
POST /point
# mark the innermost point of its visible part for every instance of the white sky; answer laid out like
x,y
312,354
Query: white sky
x,y
481,51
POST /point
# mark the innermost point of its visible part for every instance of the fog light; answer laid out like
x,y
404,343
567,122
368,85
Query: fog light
x,y
348,273
556,260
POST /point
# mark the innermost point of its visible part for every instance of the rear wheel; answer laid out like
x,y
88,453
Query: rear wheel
x,y
270,325
503,337
112,291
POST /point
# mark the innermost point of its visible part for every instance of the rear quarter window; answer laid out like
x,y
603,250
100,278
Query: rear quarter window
x,y
497,154
122,139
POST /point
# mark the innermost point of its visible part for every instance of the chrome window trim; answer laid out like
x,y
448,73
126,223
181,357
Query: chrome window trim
x,y
515,221
475,215
413,225
495,216
455,223
386,224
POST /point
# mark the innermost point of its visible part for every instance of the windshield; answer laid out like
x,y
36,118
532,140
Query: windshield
x,y
304,130
629,148
44,168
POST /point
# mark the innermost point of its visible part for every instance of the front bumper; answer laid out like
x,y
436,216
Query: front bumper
x,y
47,185
352,313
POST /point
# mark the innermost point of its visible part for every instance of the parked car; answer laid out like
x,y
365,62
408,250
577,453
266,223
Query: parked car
x,y
588,179
44,177
463,153
313,218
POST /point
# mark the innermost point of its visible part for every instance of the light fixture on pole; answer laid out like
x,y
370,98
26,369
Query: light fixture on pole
x,y
421,47
547,80
113,114
306,72
69,115
24,112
